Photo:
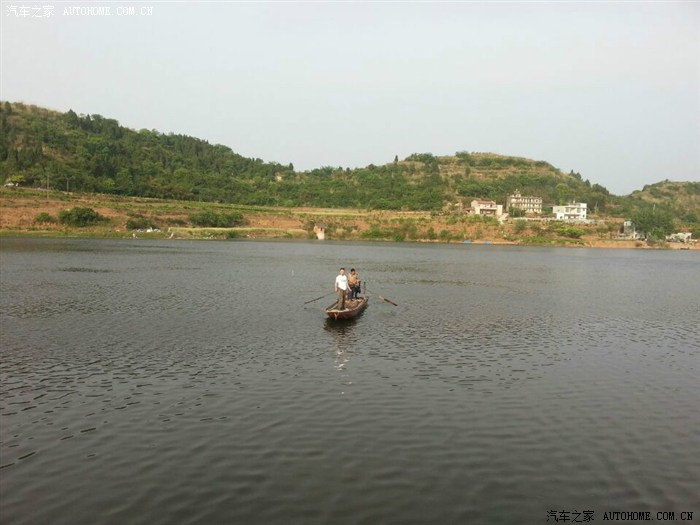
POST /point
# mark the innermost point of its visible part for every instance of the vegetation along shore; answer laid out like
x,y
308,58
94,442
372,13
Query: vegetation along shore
x,y
40,213
65,174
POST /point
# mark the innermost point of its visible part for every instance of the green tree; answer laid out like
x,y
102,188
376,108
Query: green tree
x,y
72,119
44,218
562,193
655,223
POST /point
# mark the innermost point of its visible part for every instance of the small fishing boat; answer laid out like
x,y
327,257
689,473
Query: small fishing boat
x,y
353,308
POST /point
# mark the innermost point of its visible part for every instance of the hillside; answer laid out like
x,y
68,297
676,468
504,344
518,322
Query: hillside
x,y
683,198
94,154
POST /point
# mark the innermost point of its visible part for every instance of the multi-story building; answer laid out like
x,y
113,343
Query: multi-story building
x,y
574,211
526,203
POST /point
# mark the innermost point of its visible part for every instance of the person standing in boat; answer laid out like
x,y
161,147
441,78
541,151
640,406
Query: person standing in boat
x,y
354,283
341,288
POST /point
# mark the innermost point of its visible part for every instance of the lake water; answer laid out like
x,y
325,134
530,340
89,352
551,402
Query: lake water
x,y
162,382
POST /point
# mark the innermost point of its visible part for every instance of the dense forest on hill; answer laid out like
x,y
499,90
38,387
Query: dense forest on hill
x,y
91,153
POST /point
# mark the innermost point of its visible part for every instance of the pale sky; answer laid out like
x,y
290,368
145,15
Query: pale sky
x,y
608,89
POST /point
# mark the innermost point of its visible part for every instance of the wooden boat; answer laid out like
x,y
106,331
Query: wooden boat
x,y
353,308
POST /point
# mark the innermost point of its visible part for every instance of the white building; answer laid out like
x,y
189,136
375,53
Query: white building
x,y
526,203
489,208
680,237
629,231
574,211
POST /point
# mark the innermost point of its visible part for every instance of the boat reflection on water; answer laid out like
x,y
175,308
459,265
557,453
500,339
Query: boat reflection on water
x,y
342,334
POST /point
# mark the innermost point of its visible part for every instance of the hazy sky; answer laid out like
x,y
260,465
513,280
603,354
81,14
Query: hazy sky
x,y
608,89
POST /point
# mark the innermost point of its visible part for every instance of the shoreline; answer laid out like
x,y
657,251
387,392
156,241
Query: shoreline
x,y
268,235
33,213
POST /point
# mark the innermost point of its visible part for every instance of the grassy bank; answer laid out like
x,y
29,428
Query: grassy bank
x,y
28,212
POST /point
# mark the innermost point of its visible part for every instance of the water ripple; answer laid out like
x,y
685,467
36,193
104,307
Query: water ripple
x,y
182,382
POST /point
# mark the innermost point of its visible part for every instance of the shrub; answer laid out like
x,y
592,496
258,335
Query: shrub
x,y
44,218
80,217
520,226
374,233
464,155
572,233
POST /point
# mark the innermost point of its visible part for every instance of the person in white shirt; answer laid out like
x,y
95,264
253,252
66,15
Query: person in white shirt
x,y
341,288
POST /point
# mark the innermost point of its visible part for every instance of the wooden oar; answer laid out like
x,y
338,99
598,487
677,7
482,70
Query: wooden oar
x,y
387,300
317,298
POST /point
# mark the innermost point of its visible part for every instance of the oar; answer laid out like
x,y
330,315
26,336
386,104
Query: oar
x,y
387,300
317,298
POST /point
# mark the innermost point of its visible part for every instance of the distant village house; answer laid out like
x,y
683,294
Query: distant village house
x,y
574,211
629,231
526,203
488,208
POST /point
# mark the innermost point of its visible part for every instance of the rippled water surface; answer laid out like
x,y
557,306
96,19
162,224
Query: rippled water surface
x,y
186,382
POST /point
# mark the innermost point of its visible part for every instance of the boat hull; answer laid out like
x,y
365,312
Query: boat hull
x,y
354,308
